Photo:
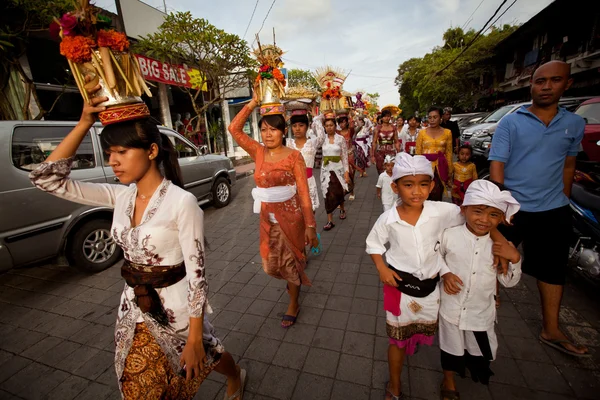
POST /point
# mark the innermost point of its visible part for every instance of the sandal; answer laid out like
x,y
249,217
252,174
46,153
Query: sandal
x,y
558,345
289,318
239,394
343,214
391,395
351,198
330,225
446,394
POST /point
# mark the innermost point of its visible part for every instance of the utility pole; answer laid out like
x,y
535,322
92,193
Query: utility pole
x,y
165,6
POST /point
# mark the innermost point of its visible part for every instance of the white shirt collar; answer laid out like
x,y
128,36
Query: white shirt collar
x,y
428,211
473,236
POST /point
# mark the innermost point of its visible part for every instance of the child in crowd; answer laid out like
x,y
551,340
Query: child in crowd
x,y
467,311
384,185
413,230
465,172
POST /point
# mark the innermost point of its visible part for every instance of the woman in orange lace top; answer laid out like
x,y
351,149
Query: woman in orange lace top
x,y
287,223
435,143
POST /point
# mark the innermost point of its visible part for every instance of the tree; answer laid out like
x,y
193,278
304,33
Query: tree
x,y
19,20
422,84
222,58
302,77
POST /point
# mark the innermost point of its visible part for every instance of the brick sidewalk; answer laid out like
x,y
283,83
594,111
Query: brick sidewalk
x,y
56,325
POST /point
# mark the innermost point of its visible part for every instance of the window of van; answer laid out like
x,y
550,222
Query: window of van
x,y
31,145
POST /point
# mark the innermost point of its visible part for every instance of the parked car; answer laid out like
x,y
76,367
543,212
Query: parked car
x,y
590,111
479,136
35,225
472,119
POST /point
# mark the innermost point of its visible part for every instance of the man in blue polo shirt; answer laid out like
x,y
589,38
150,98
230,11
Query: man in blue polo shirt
x,y
533,154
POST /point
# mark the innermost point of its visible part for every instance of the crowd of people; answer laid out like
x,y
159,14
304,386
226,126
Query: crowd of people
x,y
442,262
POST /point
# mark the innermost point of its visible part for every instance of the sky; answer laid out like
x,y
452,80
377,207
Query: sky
x,y
368,39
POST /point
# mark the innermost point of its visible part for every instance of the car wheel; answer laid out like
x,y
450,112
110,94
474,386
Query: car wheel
x,y
221,192
91,247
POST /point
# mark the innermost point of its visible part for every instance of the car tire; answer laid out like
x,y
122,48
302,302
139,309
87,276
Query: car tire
x,y
221,192
91,248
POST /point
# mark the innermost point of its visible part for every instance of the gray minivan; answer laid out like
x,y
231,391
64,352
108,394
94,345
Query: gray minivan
x,y
35,226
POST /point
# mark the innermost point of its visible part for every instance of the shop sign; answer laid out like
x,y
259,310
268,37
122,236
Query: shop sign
x,y
170,74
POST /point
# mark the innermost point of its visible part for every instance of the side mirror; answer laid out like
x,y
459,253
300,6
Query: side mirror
x,y
203,149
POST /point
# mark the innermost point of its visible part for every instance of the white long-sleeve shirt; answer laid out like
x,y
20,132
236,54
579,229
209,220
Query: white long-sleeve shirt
x,y
414,249
470,258
388,197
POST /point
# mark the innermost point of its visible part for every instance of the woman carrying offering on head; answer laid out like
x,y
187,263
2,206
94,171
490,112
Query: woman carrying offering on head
x,y
308,147
435,143
362,144
385,141
165,346
348,133
335,176
282,197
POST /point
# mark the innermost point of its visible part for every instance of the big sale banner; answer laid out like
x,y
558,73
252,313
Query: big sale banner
x,y
170,74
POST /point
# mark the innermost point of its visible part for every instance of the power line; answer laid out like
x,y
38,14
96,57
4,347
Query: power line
x,y
472,40
496,20
265,20
473,13
251,17
353,74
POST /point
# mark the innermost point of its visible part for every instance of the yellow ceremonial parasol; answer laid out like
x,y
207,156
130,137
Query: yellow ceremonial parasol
x,y
393,109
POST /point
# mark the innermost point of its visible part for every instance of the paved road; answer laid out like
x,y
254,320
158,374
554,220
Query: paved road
x,y
56,325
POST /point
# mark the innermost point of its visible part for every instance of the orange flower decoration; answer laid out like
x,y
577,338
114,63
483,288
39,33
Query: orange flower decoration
x,y
77,48
279,76
116,41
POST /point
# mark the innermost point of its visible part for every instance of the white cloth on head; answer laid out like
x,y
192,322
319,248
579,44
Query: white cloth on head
x,y
411,165
275,194
486,193
388,159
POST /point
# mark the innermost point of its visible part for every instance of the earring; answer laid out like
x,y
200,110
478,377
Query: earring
x,y
151,157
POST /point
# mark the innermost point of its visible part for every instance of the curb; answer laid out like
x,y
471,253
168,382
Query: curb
x,y
243,175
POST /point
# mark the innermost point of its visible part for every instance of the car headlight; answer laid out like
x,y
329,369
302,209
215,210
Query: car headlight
x,y
481,132
486,145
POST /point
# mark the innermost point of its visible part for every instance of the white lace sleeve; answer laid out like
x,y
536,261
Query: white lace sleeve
x,y
53,177
190,222
344,147
318,128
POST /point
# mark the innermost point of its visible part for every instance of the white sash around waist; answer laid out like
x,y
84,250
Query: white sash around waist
x,y
275,194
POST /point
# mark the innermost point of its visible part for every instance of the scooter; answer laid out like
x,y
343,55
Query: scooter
x,y
585,206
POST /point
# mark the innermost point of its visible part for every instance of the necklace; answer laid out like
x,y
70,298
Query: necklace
x,y
143,198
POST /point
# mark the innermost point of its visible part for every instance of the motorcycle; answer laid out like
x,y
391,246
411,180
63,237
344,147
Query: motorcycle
x,y
585,206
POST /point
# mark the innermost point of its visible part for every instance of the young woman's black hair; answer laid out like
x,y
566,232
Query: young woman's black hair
x,y
299,119
386,113
436,109
417,119
140,134
341,119
276,121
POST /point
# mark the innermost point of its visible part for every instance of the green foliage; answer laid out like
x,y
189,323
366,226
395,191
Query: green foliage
x,y
302,77
222,58
458,86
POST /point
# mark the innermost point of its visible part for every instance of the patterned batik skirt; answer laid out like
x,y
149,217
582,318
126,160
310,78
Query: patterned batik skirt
x,y
148,375
382,151
417,322
282,262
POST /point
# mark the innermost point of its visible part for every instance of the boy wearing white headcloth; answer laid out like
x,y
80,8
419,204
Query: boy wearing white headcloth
x,y
468,311
384,184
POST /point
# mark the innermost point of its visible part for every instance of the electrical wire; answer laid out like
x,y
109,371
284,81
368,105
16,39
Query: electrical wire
x,y
264,20
353,74
470,16
251,17
472,40
496,20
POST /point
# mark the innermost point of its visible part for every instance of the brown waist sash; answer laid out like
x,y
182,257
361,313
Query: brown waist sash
x,y
145,279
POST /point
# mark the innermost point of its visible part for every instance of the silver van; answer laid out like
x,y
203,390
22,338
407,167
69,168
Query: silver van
x,y
35,226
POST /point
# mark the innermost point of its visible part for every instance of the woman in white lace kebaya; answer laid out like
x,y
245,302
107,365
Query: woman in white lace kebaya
x,y
165,346
308,147
335,172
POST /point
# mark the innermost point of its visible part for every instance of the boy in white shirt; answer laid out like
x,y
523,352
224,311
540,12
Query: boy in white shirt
x,y
384,185
468,311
